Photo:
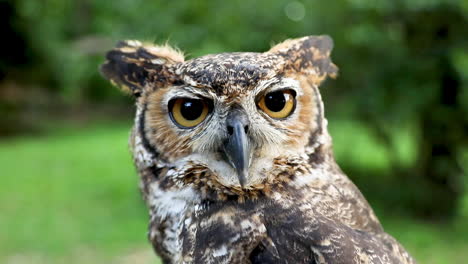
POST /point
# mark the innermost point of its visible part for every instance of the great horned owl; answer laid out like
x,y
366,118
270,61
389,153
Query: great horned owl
x,y
235,159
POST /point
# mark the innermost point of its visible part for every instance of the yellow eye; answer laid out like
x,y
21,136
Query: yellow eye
x,y
278,104
188,112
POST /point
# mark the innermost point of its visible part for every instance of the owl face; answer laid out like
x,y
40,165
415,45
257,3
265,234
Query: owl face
x,y
232,114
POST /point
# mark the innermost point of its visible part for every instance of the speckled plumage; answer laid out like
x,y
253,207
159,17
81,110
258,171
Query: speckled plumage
x,y
296,206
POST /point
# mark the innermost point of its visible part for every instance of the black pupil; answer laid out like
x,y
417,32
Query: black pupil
x,y
275,101
191,109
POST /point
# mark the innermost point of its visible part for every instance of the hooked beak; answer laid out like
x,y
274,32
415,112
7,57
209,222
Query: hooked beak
x,y
237,147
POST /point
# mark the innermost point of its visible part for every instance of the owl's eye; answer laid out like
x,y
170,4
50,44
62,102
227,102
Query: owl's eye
x,y
188,112
278,104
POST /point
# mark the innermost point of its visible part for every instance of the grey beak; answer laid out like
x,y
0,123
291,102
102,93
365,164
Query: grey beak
x,y
237,147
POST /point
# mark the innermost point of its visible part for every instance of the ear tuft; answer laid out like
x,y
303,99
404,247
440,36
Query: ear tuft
x,y
132,64
308,55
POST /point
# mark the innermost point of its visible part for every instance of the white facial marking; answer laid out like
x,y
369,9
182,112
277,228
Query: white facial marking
x,y
220,251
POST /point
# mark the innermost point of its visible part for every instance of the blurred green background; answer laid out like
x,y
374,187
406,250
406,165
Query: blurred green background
x,y
398,113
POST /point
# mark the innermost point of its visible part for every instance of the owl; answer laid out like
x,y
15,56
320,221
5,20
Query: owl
x,y
235,159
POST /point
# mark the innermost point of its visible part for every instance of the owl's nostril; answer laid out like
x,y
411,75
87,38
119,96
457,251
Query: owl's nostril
x,y
237,121
230,130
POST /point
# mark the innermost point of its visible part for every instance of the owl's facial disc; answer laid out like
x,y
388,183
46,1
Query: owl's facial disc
x,y
237,146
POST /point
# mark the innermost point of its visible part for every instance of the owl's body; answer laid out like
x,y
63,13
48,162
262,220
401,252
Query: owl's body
x,y
236,162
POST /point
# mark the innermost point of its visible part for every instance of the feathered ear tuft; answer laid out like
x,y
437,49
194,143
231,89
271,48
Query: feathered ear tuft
x,y
309,56
132,65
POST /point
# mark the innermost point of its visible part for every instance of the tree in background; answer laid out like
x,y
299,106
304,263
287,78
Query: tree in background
x,y
415,74
14,59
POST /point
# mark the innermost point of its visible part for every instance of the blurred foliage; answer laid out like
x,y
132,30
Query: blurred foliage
x,y
398,114
403,69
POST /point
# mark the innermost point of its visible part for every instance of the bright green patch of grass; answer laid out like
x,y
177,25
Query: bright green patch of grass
x,y
429,243
72,197
355,144
70,193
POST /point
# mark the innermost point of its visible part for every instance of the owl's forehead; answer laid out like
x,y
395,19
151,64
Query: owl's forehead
x,y
228,73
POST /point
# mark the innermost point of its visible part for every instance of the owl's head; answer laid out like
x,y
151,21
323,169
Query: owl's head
x,y
231,115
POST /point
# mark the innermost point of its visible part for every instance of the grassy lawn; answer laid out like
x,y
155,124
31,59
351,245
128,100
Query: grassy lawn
x,y
71,196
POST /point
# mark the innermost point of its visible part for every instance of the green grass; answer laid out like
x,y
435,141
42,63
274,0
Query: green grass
x,y
429,243
71,196
354,144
